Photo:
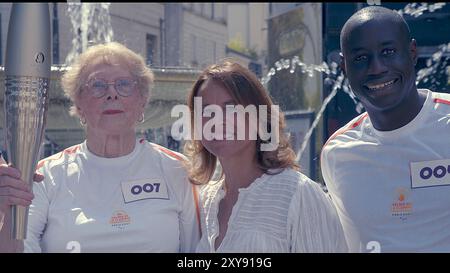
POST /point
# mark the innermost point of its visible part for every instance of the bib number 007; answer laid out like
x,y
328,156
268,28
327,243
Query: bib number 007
x,y
148,187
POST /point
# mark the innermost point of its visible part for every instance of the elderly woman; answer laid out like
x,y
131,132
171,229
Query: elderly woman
x,y
113,192
262,203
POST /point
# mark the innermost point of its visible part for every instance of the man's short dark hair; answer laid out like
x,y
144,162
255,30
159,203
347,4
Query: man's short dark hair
x,y
374,12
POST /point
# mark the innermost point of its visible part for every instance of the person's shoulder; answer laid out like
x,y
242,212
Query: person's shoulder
x,y
172,164
298,184
440,97
441,102
347,133
348,129
163,152
291,177
65,156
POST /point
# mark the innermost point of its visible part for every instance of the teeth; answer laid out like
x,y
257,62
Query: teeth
x,y
379,86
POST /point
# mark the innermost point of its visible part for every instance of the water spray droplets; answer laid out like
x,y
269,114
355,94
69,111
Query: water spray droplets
x,y
416,9
435,65
292,65
91,24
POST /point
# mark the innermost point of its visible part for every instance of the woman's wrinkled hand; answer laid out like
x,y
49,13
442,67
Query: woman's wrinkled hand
x,y
13,190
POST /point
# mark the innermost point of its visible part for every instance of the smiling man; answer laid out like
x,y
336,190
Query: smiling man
x,y
388,170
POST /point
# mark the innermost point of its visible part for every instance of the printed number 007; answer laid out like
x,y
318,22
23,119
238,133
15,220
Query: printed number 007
x,y
148,187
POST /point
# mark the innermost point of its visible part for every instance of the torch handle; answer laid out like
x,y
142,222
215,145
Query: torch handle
x,y
19,217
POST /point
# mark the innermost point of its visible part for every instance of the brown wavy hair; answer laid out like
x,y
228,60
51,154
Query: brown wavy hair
x,y
245,89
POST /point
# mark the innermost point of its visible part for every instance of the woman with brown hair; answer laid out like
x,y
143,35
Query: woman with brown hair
x,y
261,203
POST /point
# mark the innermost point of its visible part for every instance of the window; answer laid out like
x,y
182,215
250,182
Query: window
x,y
214,51
218,12
188,6
207,10
1,55
202,8
151,48
55,34
194,50
197,7
255,68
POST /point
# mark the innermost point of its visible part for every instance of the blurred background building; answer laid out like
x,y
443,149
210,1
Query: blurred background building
x,y
178,40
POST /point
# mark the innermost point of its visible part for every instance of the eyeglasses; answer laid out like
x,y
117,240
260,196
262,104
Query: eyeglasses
x,y
124,86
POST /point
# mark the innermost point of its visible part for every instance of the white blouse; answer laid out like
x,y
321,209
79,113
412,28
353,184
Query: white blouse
x,y
286,212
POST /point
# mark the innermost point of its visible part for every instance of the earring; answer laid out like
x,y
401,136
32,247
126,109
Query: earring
x,y
141,120
82,121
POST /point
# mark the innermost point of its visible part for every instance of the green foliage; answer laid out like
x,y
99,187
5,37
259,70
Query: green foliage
x,y
237,44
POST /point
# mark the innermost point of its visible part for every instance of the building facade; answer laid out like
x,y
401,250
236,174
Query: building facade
x,y
176,39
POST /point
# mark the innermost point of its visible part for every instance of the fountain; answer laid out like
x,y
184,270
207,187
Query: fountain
x,y
91,24
416,9
435,66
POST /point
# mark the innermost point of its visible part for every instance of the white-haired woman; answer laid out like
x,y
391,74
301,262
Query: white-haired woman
x,y
113,192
